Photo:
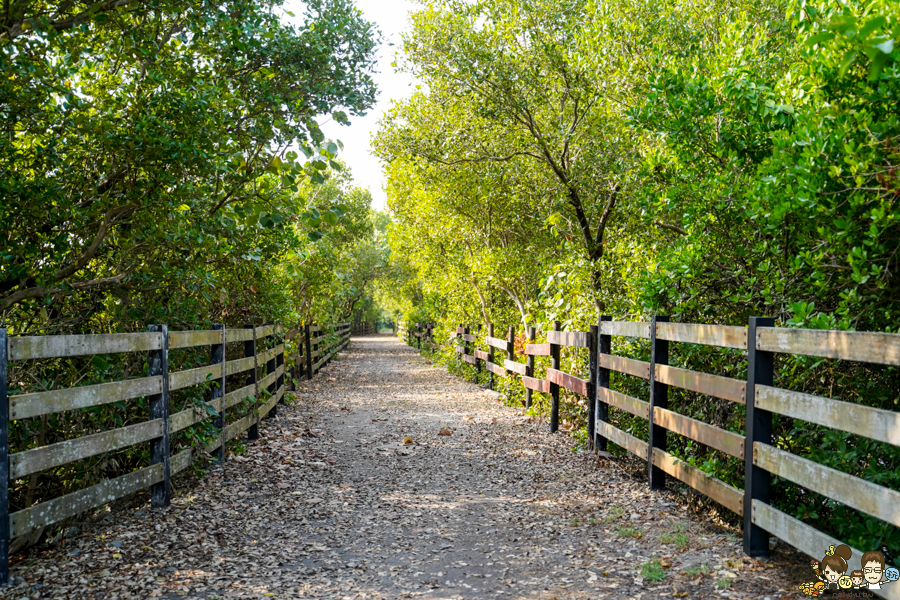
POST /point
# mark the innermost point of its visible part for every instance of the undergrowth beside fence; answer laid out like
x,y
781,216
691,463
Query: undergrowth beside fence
x,y
853,382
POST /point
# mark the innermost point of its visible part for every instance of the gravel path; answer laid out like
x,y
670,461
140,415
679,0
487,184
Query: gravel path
x,y
332,504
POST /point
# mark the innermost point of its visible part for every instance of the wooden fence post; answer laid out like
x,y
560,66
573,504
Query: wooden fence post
x,y
490,358
217,357
270,368
158,366
529,368
4,462
592,386
659,396
309,373
760,371
253,379
554,387
601,410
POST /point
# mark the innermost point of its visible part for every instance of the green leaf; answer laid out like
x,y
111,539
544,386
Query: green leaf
x,y
330,218
847,61
873,24
819,37
332,148
876,66
315,235
886,47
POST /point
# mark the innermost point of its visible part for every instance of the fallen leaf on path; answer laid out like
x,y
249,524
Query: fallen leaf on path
x,y
407,441
445,431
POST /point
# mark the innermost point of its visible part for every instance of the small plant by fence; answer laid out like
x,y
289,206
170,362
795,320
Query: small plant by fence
x,y
762,341
240,390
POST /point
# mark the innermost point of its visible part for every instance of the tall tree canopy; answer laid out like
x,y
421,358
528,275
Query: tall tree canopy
x,y
165,150
708,161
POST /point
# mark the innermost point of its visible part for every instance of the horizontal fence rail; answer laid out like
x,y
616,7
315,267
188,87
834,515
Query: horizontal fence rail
x,y
257,376
759,342
418,334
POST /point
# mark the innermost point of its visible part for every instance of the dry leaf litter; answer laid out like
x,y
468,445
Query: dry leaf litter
x,y
389,478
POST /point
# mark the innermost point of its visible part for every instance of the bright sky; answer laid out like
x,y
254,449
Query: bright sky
x,y
391,18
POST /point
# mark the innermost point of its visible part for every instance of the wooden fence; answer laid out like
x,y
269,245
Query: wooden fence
x,y
257,374
417,334
364,328
761,340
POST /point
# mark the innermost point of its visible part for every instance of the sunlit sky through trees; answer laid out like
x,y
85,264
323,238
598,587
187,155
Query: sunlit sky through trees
x,y
391,18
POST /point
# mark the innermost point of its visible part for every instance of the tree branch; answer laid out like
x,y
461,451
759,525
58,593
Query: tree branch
x,y
42,292
670,227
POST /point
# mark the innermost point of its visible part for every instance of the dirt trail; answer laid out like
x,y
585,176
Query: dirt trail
x,y
332,504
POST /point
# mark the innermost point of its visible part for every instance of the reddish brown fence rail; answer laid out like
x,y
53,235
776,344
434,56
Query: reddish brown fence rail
x,y
258,373
761,340
418,334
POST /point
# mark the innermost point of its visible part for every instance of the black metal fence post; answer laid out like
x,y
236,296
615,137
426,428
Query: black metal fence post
x,y
659,397
4,461
217,357
298,367
468,345
592,386
757,481
317,349
554,388
490,356
270,368
253,379
279,362
306,335
529,367
477,364
158,366
601,410
511,344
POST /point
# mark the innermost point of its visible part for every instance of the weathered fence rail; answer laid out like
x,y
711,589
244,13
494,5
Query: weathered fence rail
x,y
257,375
417,334
761,341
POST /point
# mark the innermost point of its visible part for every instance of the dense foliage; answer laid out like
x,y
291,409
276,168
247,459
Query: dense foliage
x,y
161,162
711,162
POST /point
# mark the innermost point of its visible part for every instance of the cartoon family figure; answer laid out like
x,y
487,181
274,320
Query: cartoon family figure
x,y
832,572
